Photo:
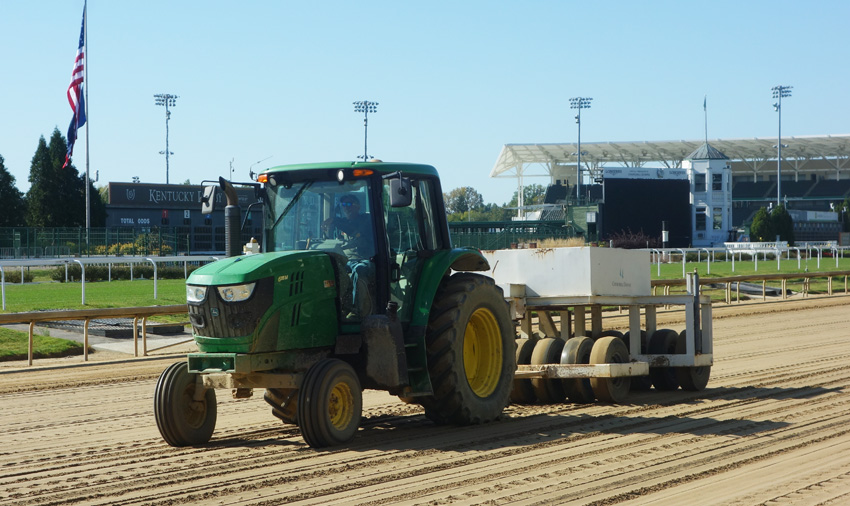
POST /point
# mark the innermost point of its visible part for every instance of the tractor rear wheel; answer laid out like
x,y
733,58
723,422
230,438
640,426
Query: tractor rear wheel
x,y
330,403
182,420
470,347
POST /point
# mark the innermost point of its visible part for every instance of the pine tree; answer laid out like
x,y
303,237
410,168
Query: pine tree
x,y
43,185
12,207
57,196
761,229
783,224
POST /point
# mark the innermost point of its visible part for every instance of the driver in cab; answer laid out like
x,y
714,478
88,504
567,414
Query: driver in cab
x,y
359,244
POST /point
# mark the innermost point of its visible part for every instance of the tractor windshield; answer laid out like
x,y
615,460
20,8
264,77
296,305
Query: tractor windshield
x,y
314,215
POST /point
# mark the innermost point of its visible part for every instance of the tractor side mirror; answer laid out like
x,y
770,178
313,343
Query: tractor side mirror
x,y
208,200
400,192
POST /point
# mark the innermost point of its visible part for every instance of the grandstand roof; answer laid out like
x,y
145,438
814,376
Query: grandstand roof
x,y
825,155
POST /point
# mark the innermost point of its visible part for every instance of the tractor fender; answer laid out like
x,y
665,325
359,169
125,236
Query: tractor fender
x,y
434,270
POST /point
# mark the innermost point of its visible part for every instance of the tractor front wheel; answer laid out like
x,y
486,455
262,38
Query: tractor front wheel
x,y
470,347
182,417
330,404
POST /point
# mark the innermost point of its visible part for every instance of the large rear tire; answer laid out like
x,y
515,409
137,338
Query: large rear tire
x,y
330,404
577,351
692,379
470,348
181,420
610,350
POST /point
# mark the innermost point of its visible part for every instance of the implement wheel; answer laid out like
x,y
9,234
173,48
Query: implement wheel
x,y
330,404
181,419
470,347
548,351
284,403
577,351
523,391
693,379
638,382
663,342
610,350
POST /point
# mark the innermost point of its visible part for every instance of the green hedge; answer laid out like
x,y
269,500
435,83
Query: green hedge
x,y
14,276
119,272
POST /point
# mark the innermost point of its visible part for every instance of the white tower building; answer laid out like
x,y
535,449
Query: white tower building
x,y
710,175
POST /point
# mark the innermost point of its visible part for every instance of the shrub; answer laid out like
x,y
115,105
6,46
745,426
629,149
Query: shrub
x,y
14,276
120,272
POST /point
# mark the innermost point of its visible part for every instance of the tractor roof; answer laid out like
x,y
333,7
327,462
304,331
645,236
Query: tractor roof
x,y
379,167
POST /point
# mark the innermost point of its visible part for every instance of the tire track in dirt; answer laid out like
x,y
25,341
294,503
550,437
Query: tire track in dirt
x,y
778,399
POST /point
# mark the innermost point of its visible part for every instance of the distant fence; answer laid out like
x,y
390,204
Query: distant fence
x,y
107,261
56,242
804,278
89,314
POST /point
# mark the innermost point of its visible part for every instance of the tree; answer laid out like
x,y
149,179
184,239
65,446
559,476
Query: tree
x,y
766,226
12,209
532,194
844,215
461,200
761,229
57,196
783,224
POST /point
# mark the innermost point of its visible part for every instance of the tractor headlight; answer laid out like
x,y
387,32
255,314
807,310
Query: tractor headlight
x,y
236,293
195,293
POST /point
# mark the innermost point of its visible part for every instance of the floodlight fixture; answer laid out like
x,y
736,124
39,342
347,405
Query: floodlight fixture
x,y
579,103
779,92
365,107
168,100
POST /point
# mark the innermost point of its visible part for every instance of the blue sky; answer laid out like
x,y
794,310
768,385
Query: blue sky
x,y
455,80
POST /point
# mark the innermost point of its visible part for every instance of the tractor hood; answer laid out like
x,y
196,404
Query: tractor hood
x,y
248,268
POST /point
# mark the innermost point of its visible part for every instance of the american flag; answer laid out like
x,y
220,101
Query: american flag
x,y
75,92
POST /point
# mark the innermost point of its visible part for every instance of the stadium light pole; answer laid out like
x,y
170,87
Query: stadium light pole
x,y
168,100
579,103
365,107
779,92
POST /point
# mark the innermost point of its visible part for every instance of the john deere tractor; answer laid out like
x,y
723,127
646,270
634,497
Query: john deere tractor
x,y
356,285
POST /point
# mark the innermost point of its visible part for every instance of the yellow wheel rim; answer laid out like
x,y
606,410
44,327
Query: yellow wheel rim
x,y
482,352
341,406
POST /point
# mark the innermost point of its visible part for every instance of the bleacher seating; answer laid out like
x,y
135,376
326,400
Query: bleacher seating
x,y
555,193
826,188
796,189
752,190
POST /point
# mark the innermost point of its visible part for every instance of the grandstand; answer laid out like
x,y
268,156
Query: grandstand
x,y
815,171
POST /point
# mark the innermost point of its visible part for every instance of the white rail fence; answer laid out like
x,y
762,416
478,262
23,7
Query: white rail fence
x,y
90,261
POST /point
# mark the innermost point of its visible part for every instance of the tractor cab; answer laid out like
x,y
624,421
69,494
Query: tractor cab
x,y
376,221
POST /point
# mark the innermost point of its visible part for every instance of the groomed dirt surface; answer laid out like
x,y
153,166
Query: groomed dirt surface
x,y
773,427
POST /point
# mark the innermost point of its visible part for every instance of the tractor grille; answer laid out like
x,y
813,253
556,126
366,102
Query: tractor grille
x,y
217,318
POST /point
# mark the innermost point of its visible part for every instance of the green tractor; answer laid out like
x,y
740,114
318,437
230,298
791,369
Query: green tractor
x,y
357,286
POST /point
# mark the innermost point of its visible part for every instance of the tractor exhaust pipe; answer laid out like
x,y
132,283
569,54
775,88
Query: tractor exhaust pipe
x,y
232,230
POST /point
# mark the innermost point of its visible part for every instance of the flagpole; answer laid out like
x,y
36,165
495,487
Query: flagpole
x,y
704,111
86,91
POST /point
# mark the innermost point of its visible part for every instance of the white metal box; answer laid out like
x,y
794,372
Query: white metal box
x,y
584,271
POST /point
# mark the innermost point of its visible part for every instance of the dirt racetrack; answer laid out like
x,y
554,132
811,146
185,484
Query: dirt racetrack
x,y
773,427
